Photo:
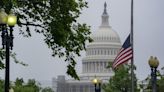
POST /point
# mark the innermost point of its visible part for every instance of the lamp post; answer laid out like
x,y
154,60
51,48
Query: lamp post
x,y
153,62
97,84
7,22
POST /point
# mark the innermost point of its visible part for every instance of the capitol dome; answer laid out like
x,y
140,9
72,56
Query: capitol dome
x,y
105,33
102,51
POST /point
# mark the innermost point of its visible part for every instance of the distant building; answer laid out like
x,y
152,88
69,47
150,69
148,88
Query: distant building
x,y
99,53
54,84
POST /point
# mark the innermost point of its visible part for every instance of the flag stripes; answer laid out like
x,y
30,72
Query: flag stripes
x,y
124,54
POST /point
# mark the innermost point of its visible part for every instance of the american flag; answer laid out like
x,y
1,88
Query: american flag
x,y
124,55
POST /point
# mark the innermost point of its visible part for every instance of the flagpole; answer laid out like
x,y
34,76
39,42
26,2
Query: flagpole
x,y
131,40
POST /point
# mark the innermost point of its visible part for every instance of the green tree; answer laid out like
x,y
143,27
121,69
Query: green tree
x,y
21,86
1,85
18,85
30,86
121,81
33,84
13,56
19,82
160,82
2,56
47,89
56,20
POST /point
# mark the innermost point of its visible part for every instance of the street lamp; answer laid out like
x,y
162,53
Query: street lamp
x,y
7,21
153,62
97,84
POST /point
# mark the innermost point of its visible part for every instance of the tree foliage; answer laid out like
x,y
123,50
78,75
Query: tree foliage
x,y
20,86
121,81
160,82
2,83
47,89
2,56
57,21
30,86
13,56
160,85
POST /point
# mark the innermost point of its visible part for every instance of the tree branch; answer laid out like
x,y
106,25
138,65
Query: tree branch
x,y
31,24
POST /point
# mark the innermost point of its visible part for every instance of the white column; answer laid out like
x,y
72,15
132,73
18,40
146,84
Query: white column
x,y
106,66
102,66
99,66
92,67
95,67
89,66
83,67
86,67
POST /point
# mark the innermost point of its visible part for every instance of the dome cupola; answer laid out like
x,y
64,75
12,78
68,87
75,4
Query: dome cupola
x,y
105,32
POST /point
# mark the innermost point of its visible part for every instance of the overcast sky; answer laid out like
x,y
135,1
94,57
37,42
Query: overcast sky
x,y
148,39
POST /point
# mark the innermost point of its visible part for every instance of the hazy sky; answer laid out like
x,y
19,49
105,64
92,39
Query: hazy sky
x,y
148,39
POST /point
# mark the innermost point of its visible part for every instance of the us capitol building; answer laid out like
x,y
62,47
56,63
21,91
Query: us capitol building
x,y
99,53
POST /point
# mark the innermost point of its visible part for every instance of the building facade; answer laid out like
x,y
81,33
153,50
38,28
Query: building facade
x,y
99,54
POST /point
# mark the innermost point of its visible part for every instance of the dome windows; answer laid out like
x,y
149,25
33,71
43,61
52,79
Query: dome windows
x,y
102,51
106,39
